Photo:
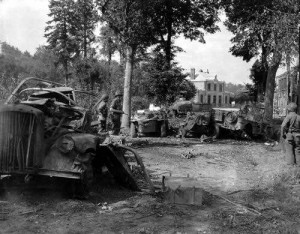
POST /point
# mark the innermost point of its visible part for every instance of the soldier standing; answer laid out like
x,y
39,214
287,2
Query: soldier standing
x,y
116,113
102,111
290,131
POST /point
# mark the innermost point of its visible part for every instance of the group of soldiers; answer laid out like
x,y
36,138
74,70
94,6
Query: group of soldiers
x,y
110,118
290,132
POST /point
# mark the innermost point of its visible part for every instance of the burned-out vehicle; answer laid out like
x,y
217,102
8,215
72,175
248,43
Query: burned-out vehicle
x,y
197,124
246,122
45,133
182,107
149,123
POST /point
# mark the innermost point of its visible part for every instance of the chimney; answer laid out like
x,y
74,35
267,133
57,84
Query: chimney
x,y
192,74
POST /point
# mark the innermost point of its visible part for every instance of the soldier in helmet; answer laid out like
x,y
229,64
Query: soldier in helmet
x,y
102,112
116,113
290,131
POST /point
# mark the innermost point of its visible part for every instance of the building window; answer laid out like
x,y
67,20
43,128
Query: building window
x,y
201,98
208,99
208,87
214,99
220,99
220,88
215,87
225,99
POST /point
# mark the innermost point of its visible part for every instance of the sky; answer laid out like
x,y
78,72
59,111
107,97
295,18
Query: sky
x,y
22,24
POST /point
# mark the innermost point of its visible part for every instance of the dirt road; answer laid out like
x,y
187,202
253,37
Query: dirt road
x,y
249,190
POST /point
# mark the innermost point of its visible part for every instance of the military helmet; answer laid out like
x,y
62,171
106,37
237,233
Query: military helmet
x,y
292,106
118,93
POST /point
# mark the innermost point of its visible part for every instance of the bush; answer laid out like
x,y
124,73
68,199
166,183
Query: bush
x,y
139,103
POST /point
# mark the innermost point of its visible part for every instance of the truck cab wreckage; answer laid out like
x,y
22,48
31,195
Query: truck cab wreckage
x,y
44,132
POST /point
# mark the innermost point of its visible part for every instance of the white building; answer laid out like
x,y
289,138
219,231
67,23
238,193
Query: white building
x,y
209,89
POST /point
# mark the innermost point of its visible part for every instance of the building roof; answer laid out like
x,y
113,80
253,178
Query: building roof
x,y
203,76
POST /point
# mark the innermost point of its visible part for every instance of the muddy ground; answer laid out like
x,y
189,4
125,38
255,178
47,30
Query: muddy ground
x,y
248,188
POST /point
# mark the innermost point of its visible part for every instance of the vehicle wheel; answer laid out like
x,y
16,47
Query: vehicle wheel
x,y
248,131
81,188
1,187
163,129
215,132
133,131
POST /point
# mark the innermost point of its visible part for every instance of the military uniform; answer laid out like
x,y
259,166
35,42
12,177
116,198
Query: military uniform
x,y
290,131
115,114
102,111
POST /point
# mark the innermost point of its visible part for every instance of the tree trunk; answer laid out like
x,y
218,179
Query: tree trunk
x,y
270,87
66,72
265,67
130,51
289,81
168,43
109,63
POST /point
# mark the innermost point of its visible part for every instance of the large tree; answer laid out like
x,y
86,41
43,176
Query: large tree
x,y
61,32
86,19
131,22
163,84
265,28
181,17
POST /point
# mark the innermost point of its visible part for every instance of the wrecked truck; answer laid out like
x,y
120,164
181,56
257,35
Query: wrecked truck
x,y
45,133
245,122
198,124
182,107
149,123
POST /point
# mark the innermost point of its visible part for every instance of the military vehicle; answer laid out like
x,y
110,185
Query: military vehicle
x,y
44,132
149,123
181,107
247,121
197,124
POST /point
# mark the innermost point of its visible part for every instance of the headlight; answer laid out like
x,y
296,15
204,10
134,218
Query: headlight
x,y
65,144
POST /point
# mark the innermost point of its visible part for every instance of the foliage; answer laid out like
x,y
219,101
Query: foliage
x,y
61,32
257,75
267,28
179,17
108,41
86,16
163,84
233,88
189,89
131,22
139,103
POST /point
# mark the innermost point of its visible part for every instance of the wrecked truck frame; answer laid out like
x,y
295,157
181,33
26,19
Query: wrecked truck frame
x,y
46,133
246,122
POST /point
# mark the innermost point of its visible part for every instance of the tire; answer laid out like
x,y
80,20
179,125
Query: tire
x,y
248,130
1,187
215,133
163,129
133,131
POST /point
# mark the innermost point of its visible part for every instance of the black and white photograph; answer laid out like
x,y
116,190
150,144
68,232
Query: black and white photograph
x,y
150,116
